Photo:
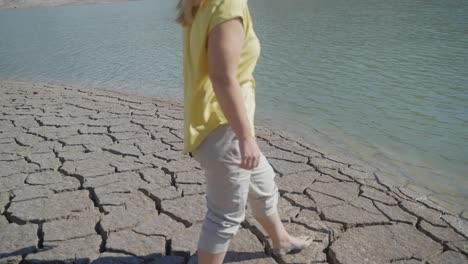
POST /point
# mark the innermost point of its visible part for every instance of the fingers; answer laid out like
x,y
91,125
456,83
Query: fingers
x,y
245,163
250,153
250,162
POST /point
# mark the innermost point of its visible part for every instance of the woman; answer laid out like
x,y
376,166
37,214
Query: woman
x,y
220,53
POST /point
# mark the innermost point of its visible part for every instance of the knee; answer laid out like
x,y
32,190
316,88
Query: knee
x,y
265,204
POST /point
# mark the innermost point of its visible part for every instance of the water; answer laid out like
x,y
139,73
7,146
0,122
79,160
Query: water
x,y
383,81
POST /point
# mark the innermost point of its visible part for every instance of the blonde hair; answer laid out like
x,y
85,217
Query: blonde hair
x,y
186,10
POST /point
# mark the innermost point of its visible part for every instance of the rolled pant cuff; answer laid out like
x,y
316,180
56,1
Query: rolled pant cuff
x,y
211,242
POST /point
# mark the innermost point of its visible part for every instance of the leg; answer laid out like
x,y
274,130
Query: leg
x,y
263,198
226,199
227,190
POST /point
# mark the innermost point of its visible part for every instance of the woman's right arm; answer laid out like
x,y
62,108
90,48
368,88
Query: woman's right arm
x,y
225,42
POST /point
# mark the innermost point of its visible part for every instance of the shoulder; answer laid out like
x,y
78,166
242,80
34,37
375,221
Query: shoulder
x,y
222,10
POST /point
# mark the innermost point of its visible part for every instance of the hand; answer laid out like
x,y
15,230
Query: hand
x,y
250,153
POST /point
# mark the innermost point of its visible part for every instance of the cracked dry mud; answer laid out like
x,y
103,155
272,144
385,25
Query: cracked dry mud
x,y
95,176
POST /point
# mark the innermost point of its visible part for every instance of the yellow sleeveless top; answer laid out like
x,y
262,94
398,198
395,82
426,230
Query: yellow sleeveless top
x,y
202,112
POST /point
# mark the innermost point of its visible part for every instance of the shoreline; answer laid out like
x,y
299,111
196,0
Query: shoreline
x,y
455,203
106,166
12,4
404,172
432,179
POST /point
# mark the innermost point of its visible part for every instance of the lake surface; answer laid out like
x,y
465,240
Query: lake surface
x,y
383,81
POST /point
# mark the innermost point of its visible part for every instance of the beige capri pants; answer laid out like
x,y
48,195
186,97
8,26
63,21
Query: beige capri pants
x,y
229,187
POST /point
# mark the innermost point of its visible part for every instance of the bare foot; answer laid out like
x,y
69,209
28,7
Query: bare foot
x,y
293,245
